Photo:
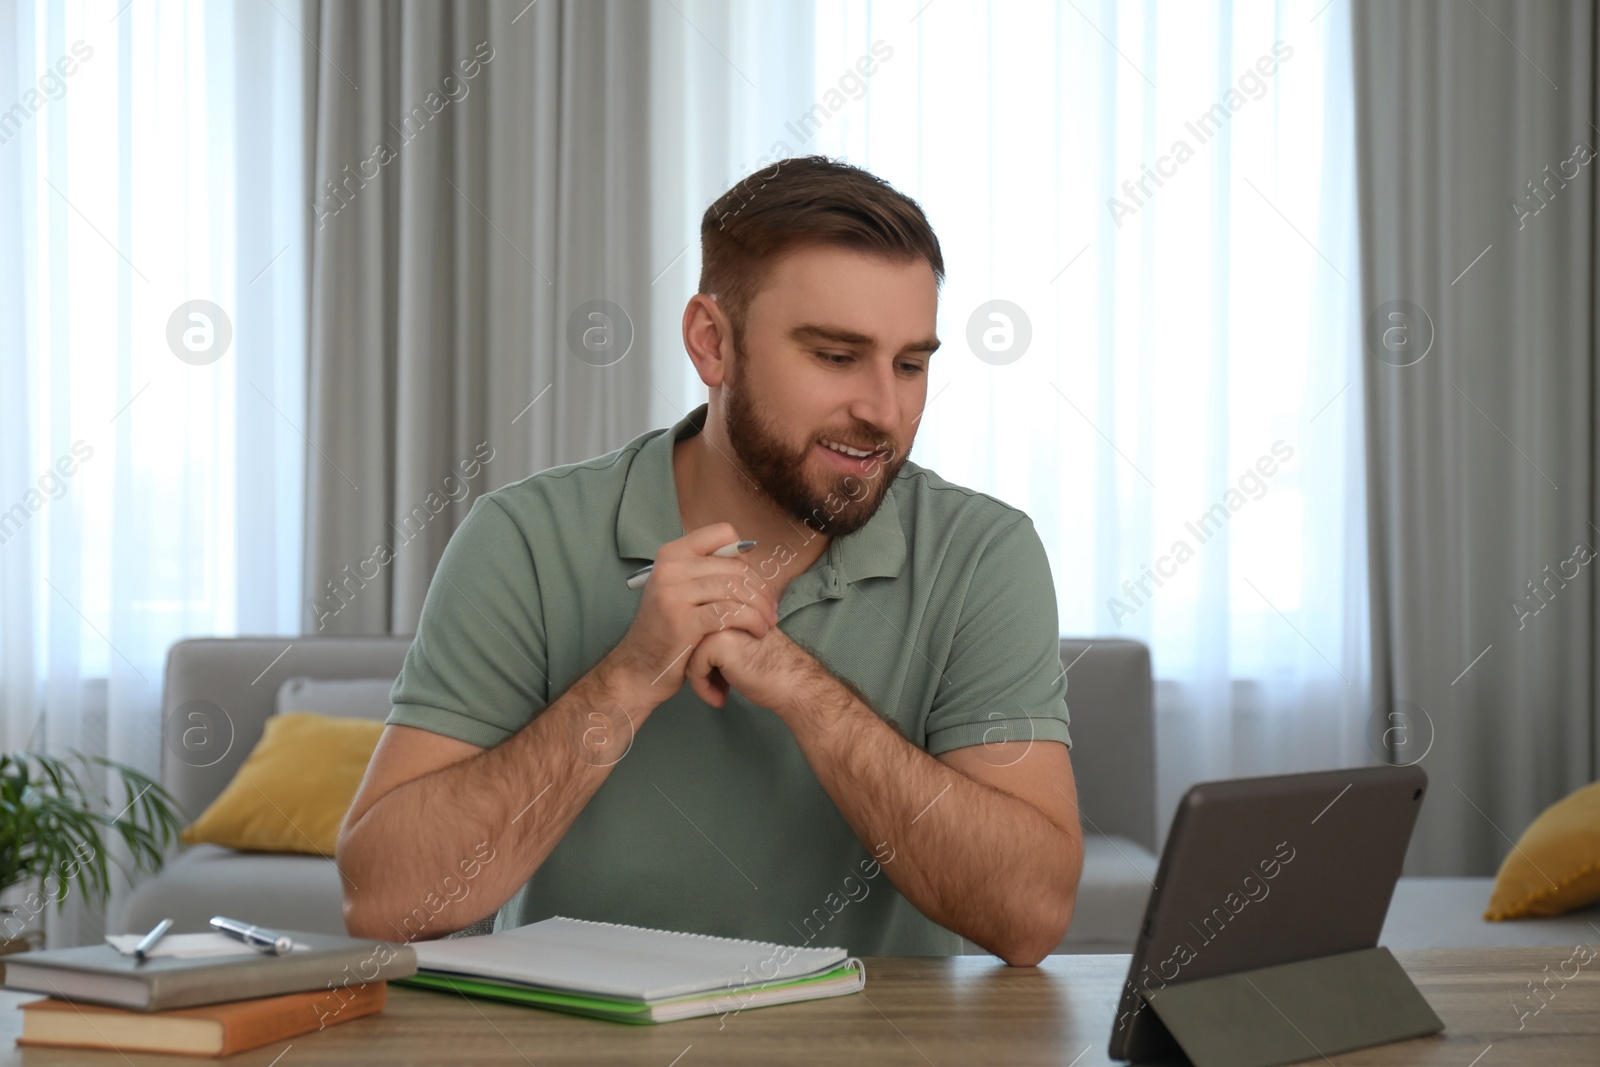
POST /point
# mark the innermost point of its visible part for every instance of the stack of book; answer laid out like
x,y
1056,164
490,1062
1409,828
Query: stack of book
x,y
201,994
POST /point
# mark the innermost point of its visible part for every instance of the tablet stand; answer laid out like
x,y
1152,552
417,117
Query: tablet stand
x,y
1292,1012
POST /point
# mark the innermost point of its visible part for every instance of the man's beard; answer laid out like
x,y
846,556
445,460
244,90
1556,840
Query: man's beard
x,y
780,472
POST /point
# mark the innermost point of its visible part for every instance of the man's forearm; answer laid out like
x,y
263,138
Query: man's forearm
x,y
497,814
974,859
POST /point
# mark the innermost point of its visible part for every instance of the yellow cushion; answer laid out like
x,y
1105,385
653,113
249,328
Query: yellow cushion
x,y
294,787
1556,866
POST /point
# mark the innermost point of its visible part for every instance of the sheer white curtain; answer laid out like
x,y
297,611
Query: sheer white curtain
x,y
1164,194
151,458
727,81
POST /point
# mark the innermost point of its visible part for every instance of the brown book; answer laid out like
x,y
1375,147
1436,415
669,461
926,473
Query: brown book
x,y
214,1030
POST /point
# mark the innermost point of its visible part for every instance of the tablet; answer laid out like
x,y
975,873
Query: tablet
x,y
1261,871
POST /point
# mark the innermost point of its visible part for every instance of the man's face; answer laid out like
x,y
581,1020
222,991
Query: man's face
x,y
835,348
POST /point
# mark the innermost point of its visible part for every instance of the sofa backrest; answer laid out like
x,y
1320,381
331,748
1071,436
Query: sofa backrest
x,y
1111,705
220,691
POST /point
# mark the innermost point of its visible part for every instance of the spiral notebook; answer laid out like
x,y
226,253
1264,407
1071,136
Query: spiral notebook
x,y
633,974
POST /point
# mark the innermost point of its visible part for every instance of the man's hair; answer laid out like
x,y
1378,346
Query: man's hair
x,y
804,199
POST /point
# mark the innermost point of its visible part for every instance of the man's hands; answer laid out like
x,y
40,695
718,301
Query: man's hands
x,y
769,671
692,594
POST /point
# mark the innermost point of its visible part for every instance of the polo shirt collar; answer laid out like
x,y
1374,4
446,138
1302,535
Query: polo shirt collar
x,y
648,517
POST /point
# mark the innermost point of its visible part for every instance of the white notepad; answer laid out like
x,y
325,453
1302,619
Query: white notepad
x,y
625,962
189,946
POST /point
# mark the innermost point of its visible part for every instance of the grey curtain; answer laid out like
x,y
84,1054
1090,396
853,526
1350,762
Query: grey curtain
x,y
1476,128
479,258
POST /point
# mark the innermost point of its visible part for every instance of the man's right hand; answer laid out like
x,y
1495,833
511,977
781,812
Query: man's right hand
x,y
690,594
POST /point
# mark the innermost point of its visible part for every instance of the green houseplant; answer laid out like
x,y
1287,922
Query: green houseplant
x,y
54,831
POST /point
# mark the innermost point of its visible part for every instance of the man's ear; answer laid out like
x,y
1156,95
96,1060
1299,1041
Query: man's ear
x,y
706,333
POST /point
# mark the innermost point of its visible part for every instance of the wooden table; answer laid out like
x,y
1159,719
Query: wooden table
x,y
917,1012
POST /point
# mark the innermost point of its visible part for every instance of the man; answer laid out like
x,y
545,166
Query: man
x,y
853,734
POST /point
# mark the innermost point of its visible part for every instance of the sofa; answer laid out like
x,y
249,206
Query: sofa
x,y
219,693
216,698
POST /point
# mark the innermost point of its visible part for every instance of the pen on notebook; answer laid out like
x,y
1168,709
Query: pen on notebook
x,y
148,941
254,936
642,575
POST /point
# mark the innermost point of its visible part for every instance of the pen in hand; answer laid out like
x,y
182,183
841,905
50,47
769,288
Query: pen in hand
x,y
737,548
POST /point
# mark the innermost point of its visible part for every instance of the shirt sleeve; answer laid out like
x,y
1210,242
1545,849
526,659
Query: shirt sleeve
x,y
476,670
1003,679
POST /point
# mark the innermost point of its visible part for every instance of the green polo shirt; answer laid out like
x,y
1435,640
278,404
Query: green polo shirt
x,y
941,610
